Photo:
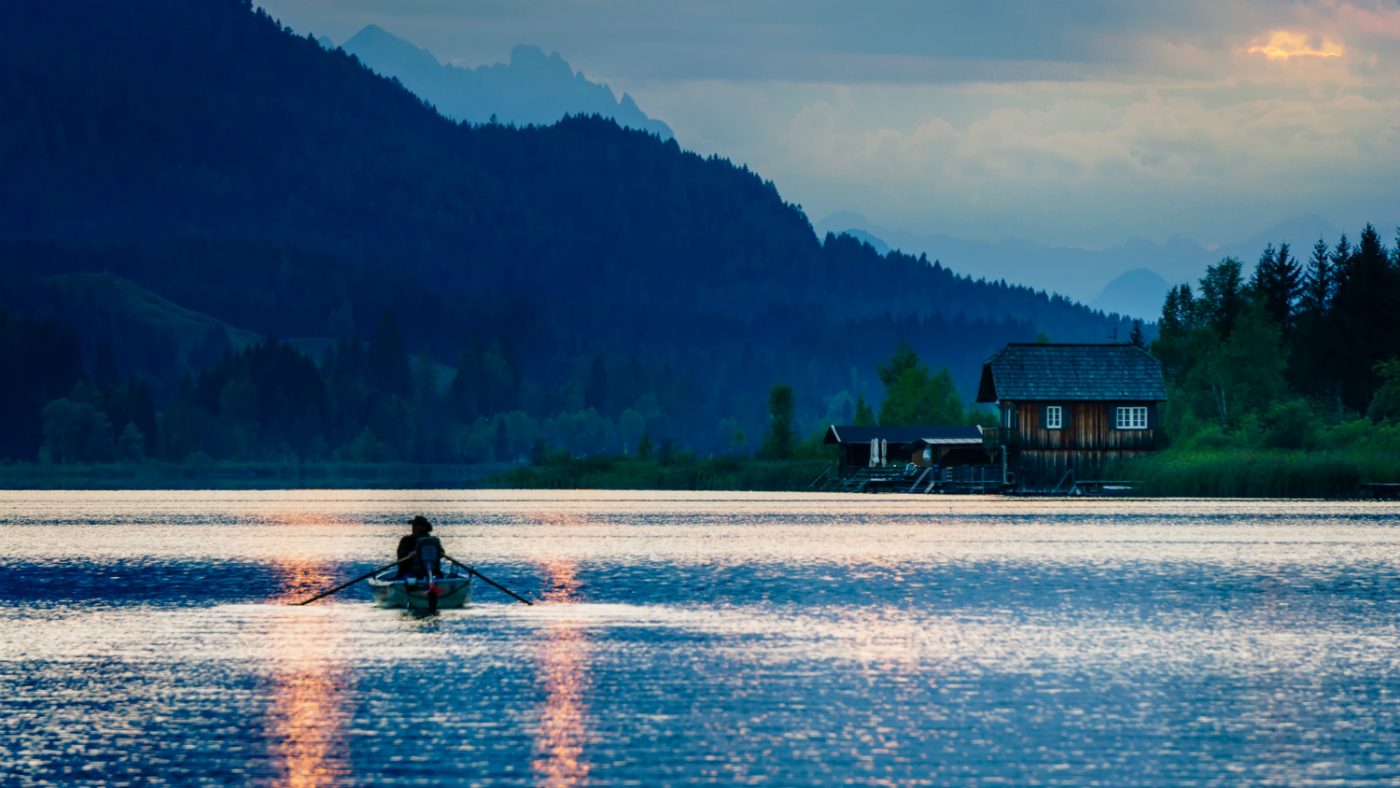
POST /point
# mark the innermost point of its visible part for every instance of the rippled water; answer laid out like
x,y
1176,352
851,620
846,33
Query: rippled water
x,y
681,638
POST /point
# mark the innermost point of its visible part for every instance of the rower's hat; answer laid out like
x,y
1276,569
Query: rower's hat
x,y
421,520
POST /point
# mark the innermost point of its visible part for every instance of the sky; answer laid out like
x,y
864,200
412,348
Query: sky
x,y
1076,123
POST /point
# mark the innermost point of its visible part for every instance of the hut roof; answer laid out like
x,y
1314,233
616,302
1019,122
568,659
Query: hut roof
x,y
1031,372
937,436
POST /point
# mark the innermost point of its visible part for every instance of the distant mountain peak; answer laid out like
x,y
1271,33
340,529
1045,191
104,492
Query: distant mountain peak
x,y
1138,293
531,56
534,87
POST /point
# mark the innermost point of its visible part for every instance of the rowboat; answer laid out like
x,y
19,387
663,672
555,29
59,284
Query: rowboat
x,y
415,593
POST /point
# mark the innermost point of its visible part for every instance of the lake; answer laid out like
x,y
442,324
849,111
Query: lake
x,y
700,638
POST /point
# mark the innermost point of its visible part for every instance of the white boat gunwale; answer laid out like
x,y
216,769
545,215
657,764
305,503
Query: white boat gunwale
x,y
454,590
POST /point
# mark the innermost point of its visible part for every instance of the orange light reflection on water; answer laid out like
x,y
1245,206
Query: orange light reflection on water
x,y
308,715
563,659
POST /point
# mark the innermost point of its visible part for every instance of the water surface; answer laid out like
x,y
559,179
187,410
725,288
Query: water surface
x,y
701,638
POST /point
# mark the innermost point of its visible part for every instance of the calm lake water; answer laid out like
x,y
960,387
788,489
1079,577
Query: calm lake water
x,y
701,638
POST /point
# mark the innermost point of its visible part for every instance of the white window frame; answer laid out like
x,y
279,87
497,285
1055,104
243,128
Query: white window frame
x,y
1131,417
1054,417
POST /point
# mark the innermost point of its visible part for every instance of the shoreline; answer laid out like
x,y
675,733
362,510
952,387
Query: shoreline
x,y
1219,475
243,476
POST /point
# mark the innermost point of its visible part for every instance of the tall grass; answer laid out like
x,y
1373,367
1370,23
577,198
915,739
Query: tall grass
x,y
1262,473
1301,456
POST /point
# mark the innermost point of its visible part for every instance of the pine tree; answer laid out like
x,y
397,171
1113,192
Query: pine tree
x,y
1364,313
1313,369
1276,284
864,416
1222,296
1319,283
780,438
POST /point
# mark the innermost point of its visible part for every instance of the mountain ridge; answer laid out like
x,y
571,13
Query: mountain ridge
x,y
318,206
532,88
1091,276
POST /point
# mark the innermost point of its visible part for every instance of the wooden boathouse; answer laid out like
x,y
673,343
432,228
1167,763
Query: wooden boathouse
x,y
1067,412
912,459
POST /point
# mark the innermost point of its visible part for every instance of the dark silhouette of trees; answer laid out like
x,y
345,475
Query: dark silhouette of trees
x,y
160,143
864,416
1365,316
778,442
39,362
1277,284
1136,337
76,432
1240,358
913,396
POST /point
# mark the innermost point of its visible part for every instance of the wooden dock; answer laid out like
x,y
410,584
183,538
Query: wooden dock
x,y
1379,490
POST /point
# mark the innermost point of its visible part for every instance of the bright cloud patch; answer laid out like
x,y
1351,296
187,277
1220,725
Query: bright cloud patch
x,y
1287,44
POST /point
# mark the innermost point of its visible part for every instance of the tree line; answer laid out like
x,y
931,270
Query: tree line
x,y
374,402
268,401
1278,357
159,141
914,396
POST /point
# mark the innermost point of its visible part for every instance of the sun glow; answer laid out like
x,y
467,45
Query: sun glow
x,y
308,714
564,664
1288,44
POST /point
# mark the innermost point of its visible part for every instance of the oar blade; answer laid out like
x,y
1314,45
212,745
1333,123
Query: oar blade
x,y
489,580
346,585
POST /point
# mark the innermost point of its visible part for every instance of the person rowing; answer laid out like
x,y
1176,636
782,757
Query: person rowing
x,y
420,557
425,551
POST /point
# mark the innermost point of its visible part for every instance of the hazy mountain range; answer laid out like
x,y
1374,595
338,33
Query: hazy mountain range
x,y
530,258
1130,278
533,88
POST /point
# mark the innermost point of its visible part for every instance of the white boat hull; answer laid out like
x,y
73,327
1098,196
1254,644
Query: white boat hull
x,y
413,593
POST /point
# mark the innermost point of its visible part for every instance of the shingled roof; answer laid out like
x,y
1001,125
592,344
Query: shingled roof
x,y
1041,372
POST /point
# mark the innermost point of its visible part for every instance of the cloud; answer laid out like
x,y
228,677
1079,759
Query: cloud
x,y
1090,163
1288,44
1079,122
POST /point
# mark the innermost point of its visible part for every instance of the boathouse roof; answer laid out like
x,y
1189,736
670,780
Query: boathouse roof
x,y
1046,372
934,436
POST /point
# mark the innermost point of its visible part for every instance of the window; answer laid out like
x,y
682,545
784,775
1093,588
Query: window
x,y
1133,418
1054,417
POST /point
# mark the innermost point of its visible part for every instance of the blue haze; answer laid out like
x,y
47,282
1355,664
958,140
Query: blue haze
x,y
533,88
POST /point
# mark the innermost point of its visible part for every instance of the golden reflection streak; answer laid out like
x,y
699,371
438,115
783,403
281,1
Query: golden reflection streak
x,y
563,659
308,714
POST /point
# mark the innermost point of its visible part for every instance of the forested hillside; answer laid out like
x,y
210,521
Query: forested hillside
x,y
1285,382
249,176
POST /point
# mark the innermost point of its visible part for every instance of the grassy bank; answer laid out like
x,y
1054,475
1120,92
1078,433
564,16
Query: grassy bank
x,y
1300,456
682,473
1261,473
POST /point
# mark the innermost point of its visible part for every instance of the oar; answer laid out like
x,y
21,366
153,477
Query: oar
x,y
489,580
364,576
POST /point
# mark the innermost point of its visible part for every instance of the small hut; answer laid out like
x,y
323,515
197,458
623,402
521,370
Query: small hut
x,y
905,457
